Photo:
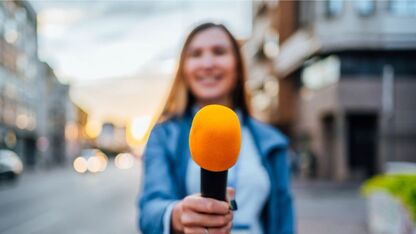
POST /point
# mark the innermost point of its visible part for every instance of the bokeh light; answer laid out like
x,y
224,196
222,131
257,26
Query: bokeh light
x,y
138,130
124,161
93,128
80,165
94,164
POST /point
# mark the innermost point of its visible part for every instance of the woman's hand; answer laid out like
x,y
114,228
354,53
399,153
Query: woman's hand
x,y
196,214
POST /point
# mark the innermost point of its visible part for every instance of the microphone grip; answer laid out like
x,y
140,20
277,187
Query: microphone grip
x,y
214,184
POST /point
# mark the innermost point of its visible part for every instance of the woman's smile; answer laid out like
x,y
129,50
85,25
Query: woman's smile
x,y
209,80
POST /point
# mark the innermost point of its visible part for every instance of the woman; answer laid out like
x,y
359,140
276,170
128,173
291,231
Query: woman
x,y
211,71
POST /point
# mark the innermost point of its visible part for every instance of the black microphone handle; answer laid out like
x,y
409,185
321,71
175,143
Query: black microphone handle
x,y
214,184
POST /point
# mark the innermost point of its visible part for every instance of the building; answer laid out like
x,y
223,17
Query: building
x,y
20,77
351,79
76,121
272,97
32,100
112,139
55,96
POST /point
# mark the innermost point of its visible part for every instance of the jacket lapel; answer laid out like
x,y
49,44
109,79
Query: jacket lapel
x,y
266,139
183,154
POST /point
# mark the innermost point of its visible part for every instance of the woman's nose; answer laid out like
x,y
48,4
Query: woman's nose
x,y
207,61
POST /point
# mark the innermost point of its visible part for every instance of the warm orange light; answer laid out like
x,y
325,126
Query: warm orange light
x,y
93,128
139,126
138,130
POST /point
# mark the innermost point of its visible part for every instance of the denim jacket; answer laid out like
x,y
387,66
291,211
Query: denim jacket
x,y
165,166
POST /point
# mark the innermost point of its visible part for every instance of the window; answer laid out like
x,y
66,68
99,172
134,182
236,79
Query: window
x,y
21,64
322,73
334,7
365,7
10,31
1,107
402,7
2,19
21,16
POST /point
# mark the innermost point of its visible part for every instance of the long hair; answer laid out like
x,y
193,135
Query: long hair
x,y
181,98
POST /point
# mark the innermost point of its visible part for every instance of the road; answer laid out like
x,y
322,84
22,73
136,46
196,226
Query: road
x,y
329,208
62,201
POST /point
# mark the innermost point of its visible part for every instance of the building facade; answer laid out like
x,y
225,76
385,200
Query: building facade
x,y
20,77
350,65
75,134
272,97
32,100
55,96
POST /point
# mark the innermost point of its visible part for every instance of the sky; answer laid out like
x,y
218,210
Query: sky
x,y
88,40
100,46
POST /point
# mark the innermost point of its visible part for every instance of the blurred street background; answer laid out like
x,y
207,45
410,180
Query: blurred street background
x,y
63,201
82,83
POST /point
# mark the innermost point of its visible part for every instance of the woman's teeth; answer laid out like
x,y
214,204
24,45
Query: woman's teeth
x,y
209,78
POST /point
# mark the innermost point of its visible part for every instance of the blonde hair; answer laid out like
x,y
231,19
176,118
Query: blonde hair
x,y
180,97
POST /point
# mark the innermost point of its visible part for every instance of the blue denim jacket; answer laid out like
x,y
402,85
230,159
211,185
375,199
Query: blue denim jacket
x,y
165,166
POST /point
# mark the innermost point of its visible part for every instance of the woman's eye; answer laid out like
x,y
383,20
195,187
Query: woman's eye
x,y
219,51
195,53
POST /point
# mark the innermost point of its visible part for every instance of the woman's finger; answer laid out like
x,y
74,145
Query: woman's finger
x,y
205,205
194,219
204,230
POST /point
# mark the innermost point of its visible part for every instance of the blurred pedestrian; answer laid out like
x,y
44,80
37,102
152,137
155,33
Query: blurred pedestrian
x,y
211,71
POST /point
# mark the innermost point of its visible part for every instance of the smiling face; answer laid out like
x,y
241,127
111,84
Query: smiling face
x,y
210,67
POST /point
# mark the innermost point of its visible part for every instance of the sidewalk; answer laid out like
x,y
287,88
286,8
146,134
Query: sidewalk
x,y
329,208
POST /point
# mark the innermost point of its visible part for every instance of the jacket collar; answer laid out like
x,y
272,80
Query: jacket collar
x,y
266,138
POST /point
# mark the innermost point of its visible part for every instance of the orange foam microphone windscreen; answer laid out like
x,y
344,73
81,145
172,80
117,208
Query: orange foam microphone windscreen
x,y
215,138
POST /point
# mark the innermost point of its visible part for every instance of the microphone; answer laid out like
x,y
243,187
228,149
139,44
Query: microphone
x,y
214,142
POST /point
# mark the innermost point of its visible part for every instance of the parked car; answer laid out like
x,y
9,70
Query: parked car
x,y
10,164
90,160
